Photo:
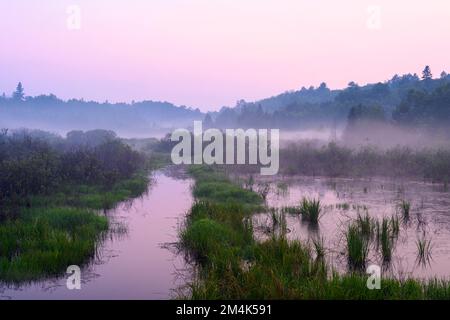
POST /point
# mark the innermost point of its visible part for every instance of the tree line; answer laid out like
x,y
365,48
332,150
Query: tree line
x,y
39,163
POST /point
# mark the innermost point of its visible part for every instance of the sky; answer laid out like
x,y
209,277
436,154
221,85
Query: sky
x,y
211,53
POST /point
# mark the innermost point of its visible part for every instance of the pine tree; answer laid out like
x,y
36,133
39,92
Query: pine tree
x,y
19,94
426,73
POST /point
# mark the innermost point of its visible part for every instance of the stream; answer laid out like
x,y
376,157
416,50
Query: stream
x,y
138,263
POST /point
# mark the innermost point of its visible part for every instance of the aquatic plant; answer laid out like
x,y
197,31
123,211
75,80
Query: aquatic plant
x,y
284,269
319,247
395,225
44,241
282,188
310,210
291,209
263,190
424,248
405,208
357,247
386,239
365,224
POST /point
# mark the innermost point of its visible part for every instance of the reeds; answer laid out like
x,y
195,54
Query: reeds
x,y
319,247
405,208
386,240
366,225
357,247
310,210
424,248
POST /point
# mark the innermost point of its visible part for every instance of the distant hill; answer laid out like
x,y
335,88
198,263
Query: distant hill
x,y
321,106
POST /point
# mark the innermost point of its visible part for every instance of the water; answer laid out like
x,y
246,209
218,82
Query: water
x,y
141,264
342,199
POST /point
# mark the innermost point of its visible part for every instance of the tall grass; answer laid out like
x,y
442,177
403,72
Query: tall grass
x,y
357,247
366,225
405,208
59,229
319,247
220,233
424,251
310,210
45,241
386,240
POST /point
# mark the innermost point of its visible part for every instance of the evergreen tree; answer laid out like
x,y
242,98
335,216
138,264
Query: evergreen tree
x,y
19,94
426,73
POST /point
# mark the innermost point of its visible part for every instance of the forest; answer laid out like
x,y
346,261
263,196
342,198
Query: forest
x,y
403,100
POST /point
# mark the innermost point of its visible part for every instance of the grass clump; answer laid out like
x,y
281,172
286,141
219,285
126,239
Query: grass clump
x,y
310,210
43,242
357,247
386,240
216,187
365,225
319,247
405,208
424,248
59,230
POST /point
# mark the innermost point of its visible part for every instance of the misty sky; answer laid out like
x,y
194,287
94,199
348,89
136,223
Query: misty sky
x,y
210,53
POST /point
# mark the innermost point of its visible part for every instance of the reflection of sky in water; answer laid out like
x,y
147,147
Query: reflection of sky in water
x,y
137,265
430,203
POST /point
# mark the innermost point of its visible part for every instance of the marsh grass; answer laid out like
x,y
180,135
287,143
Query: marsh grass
x,y
365,225
94,197
295,210
357,247
386,240
310,210
263,190
319,247
219,234
282,188
424,251
59,230
279,225
43,242
395,226
343,206
405,208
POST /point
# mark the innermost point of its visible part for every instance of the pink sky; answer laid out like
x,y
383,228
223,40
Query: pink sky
x,y
210,53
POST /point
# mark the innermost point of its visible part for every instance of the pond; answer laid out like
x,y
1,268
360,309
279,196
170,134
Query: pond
x,y
140,261
342,199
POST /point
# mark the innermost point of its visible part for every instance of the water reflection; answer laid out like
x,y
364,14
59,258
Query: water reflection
x,y
343,199
133,261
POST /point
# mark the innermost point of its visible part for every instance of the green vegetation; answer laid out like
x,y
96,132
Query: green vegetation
x,y
49,189
338,160
357,247
218,235
215,186
92,196
386,240
424,248
45,241
310,210
365,225
405,208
